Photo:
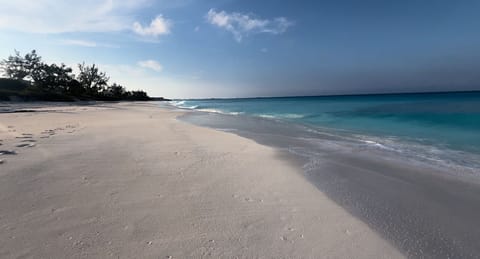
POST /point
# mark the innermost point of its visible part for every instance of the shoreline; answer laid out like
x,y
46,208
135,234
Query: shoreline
x,y
291,129
130,180
430,129
424,211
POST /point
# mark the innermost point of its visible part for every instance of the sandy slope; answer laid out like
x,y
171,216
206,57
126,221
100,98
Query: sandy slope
x,y
131,181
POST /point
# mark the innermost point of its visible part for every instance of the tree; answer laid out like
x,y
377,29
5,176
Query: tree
x,y
19,68
138,95
14,66
116,91
57,82
92,79
53,77
32,63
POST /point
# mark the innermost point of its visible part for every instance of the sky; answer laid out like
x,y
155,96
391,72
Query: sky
x,y
247,48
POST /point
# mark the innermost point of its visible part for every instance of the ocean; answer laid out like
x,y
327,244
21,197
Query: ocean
x,y
442,129
408,165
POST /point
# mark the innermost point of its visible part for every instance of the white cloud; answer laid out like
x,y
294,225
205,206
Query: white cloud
x,y
241,25
151,64
158,26
53,16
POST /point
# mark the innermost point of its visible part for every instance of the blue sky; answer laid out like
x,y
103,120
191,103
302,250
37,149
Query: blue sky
x,y
228,48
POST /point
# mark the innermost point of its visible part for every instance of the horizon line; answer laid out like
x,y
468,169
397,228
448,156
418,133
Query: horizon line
x,y
328,95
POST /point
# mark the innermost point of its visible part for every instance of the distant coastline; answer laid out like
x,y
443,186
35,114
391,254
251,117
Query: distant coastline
x,y
22,91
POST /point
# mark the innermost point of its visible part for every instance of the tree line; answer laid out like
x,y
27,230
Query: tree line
x,y
52,81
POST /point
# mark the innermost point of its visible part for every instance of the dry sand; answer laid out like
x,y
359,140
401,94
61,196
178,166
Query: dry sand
x,y
130,181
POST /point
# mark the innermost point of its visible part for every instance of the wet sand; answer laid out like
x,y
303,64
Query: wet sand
x,y
423,210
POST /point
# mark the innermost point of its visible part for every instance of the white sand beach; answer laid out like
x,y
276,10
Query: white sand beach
x,y
129,180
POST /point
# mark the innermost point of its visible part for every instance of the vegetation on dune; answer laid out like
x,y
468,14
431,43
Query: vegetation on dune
x,y
29,78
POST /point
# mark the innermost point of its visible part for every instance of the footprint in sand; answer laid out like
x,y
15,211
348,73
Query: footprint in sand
x,y
292,235
26,145
246,199
288,239
48,133
71,128
7,152
25,136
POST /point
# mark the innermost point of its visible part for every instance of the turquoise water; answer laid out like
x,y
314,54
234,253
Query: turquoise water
x,y
437,121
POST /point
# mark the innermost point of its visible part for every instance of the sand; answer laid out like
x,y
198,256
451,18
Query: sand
x,y
129,180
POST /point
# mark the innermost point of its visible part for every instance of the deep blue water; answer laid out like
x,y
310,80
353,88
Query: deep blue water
x,y
435,122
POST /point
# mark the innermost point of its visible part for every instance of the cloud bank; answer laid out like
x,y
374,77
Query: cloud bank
x,y
242,25
53,16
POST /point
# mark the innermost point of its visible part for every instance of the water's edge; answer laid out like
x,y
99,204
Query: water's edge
x,y
440,129
424,211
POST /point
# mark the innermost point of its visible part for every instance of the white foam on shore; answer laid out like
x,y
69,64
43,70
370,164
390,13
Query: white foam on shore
x,y
177,103
219,111
267,116
182,105
281,116
413,150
